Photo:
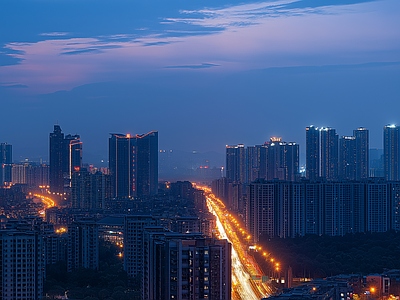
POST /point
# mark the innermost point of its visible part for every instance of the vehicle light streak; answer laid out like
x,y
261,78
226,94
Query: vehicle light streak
x,y
47,201
243,265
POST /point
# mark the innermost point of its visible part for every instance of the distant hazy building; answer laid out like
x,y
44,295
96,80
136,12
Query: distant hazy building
x,y
220,188
236,164
391,152
329,153
133,162
347,158
65,158
376,159
5,163
312,152
22,264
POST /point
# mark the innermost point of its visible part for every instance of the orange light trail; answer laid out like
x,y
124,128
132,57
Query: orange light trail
x,y
244,268
47,201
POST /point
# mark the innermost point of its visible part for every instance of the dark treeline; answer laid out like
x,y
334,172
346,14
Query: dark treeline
x,y
321,256
110,282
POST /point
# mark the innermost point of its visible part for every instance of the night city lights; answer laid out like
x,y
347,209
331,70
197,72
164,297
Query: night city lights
x,y
200,150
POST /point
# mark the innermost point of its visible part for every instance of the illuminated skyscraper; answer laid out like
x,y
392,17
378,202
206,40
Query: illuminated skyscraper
x,y
5,163
133,162
362,153
72,154
236,164
282,159
391,152
329,153
65,158
312,152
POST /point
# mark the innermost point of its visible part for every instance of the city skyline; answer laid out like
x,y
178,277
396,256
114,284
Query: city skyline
x,y
185,69
103,159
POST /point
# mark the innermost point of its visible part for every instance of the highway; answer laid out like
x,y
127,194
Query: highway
x,y
243,265
47,201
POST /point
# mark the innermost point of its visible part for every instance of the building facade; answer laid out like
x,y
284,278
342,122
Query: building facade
x,y
289,209
185,266
329,153
83,245
236,164
90,191
312,152
5,163
22,265
391,152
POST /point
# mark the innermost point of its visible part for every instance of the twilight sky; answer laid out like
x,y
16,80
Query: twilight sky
x,y
203,73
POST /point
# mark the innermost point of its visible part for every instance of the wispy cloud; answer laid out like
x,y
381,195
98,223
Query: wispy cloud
x,y
243,37
241,15
201,66
54,33
13,85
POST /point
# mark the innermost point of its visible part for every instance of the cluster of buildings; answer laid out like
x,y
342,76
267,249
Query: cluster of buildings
x,y
334,196
164,231
181,264
289,209
345,287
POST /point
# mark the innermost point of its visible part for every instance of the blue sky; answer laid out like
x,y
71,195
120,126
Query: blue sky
x,y
202,73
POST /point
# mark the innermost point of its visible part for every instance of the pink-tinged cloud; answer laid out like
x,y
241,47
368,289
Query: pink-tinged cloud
x,y
255,36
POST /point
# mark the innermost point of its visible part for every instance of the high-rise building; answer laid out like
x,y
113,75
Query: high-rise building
x,y
236,164
65,158
83,245
329,153
185,266
282,160
133,242
347,154
312,152
133,162
56,160
72,160
376,159
260,211
256,161
289,209
90,191
37,175
391,152
362,152
354,155
22,265
5,163
377,206
19,173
